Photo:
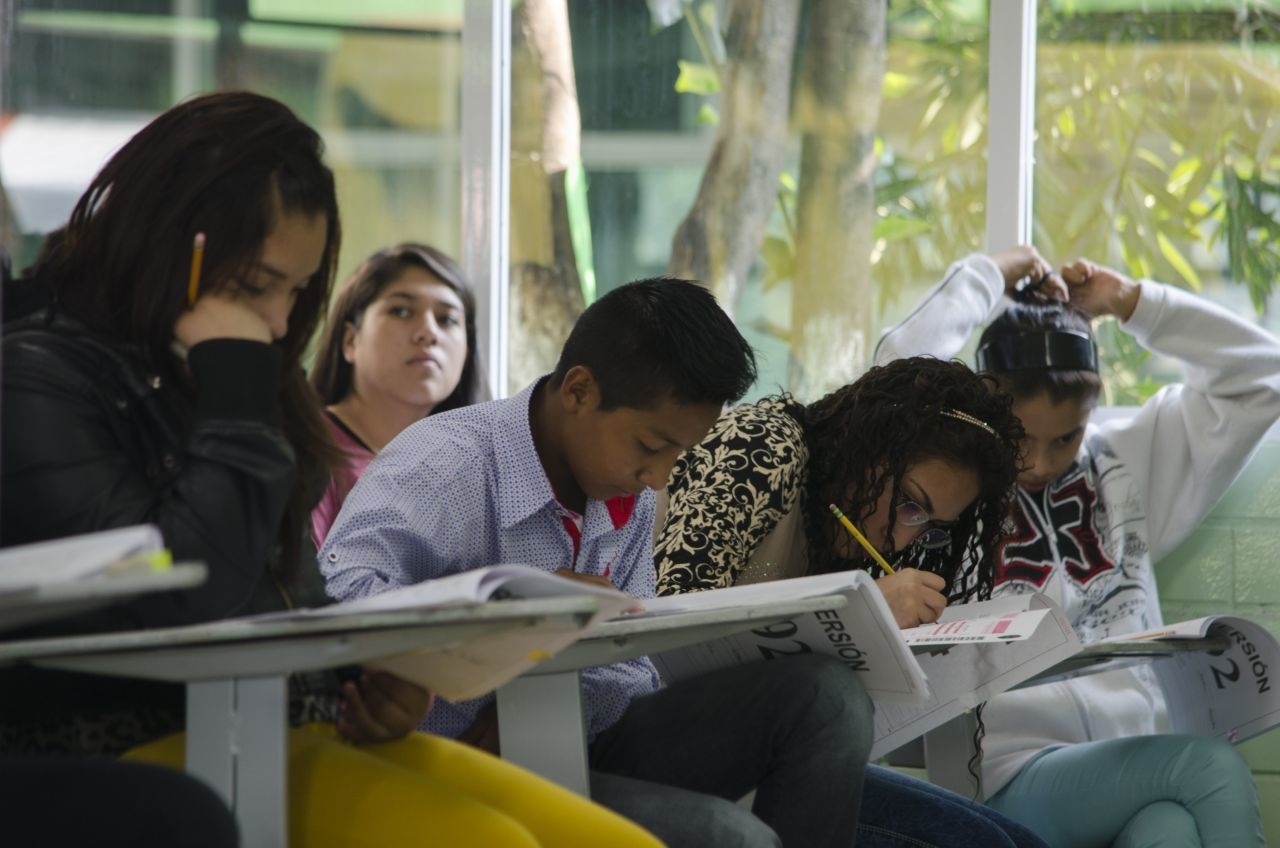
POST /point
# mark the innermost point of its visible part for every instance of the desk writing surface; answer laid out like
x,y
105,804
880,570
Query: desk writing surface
x,y
628,637
249,648
1105,656
235,673
56,600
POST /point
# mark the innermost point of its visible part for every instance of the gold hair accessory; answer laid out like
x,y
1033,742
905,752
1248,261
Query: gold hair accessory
x,y
968,419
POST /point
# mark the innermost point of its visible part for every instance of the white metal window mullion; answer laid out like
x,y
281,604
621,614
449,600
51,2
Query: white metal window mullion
x,y
485,158
187,50
1011,119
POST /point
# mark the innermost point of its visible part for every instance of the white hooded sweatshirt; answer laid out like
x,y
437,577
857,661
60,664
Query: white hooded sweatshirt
x,y
1137,489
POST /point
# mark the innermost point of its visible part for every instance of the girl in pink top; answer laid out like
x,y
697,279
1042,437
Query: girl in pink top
x,y
400,345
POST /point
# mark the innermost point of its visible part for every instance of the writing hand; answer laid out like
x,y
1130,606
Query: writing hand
x,y
594,579
915,597
382,708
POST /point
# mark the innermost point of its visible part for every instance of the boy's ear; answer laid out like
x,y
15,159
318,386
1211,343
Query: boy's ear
x,y
579,392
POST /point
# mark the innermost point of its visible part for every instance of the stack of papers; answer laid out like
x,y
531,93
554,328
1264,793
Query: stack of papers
x,y
62,577
111,553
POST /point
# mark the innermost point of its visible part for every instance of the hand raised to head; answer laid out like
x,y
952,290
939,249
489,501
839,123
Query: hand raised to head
x,y
220,316
1025,262
1097,290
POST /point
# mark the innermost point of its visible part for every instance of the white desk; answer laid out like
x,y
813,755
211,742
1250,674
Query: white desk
x,y
236,673
56,600
540,713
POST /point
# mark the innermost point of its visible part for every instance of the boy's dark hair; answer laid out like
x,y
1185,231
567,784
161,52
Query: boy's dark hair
x,y
863,437
656,338
1061,384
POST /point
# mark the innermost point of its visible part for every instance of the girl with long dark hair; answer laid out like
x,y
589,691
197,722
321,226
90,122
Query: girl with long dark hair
x,y
400,345
920,455
163,383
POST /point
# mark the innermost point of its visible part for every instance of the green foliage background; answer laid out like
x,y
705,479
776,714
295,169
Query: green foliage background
x,y
1156,148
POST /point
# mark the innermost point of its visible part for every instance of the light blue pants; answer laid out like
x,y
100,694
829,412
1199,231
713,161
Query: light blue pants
x,y
1141,792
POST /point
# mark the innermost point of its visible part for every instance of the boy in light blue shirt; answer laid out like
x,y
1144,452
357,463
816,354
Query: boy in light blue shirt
x,y
561,477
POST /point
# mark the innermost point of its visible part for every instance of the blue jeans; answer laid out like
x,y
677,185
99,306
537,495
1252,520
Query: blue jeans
x,y
898,810
797,731
1168,791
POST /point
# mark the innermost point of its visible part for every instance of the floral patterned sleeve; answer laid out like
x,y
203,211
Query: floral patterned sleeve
x,y
727,494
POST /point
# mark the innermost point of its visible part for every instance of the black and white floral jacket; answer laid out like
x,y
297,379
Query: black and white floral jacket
x,y
728,493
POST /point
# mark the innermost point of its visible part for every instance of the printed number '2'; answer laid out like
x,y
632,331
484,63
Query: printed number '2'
x,y
782,630
1222,678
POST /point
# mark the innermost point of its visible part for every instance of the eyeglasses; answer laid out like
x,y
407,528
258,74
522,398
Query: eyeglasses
x,y
911,514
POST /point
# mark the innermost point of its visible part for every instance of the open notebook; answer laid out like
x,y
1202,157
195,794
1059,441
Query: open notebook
x,y
492,583
477,666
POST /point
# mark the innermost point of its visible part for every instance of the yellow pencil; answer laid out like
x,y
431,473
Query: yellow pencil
x,y
197,262
861,539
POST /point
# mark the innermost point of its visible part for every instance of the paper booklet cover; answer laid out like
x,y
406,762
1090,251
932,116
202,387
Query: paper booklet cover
x,y
919,678
91,555
1227,693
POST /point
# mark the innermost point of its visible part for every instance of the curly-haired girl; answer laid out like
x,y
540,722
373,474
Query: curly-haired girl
x,y
142,394
921,453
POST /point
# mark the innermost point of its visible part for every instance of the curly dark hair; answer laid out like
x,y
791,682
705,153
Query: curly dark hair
x,y
864,436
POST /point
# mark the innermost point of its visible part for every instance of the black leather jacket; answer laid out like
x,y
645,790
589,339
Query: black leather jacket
x,y
91,439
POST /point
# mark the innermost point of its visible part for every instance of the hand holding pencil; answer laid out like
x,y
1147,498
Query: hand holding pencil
x,y
915,597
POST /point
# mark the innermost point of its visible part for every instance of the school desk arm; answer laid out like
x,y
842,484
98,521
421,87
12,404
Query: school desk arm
x,y
236,673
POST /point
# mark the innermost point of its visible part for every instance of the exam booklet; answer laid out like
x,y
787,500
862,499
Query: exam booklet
x,y
972,653
491,583
66,576
863,634
477,666
1227,693
116,552
919,678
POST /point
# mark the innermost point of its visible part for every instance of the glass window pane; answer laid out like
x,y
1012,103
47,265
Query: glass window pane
x,y
379,79
1156,154
815,176
931,184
